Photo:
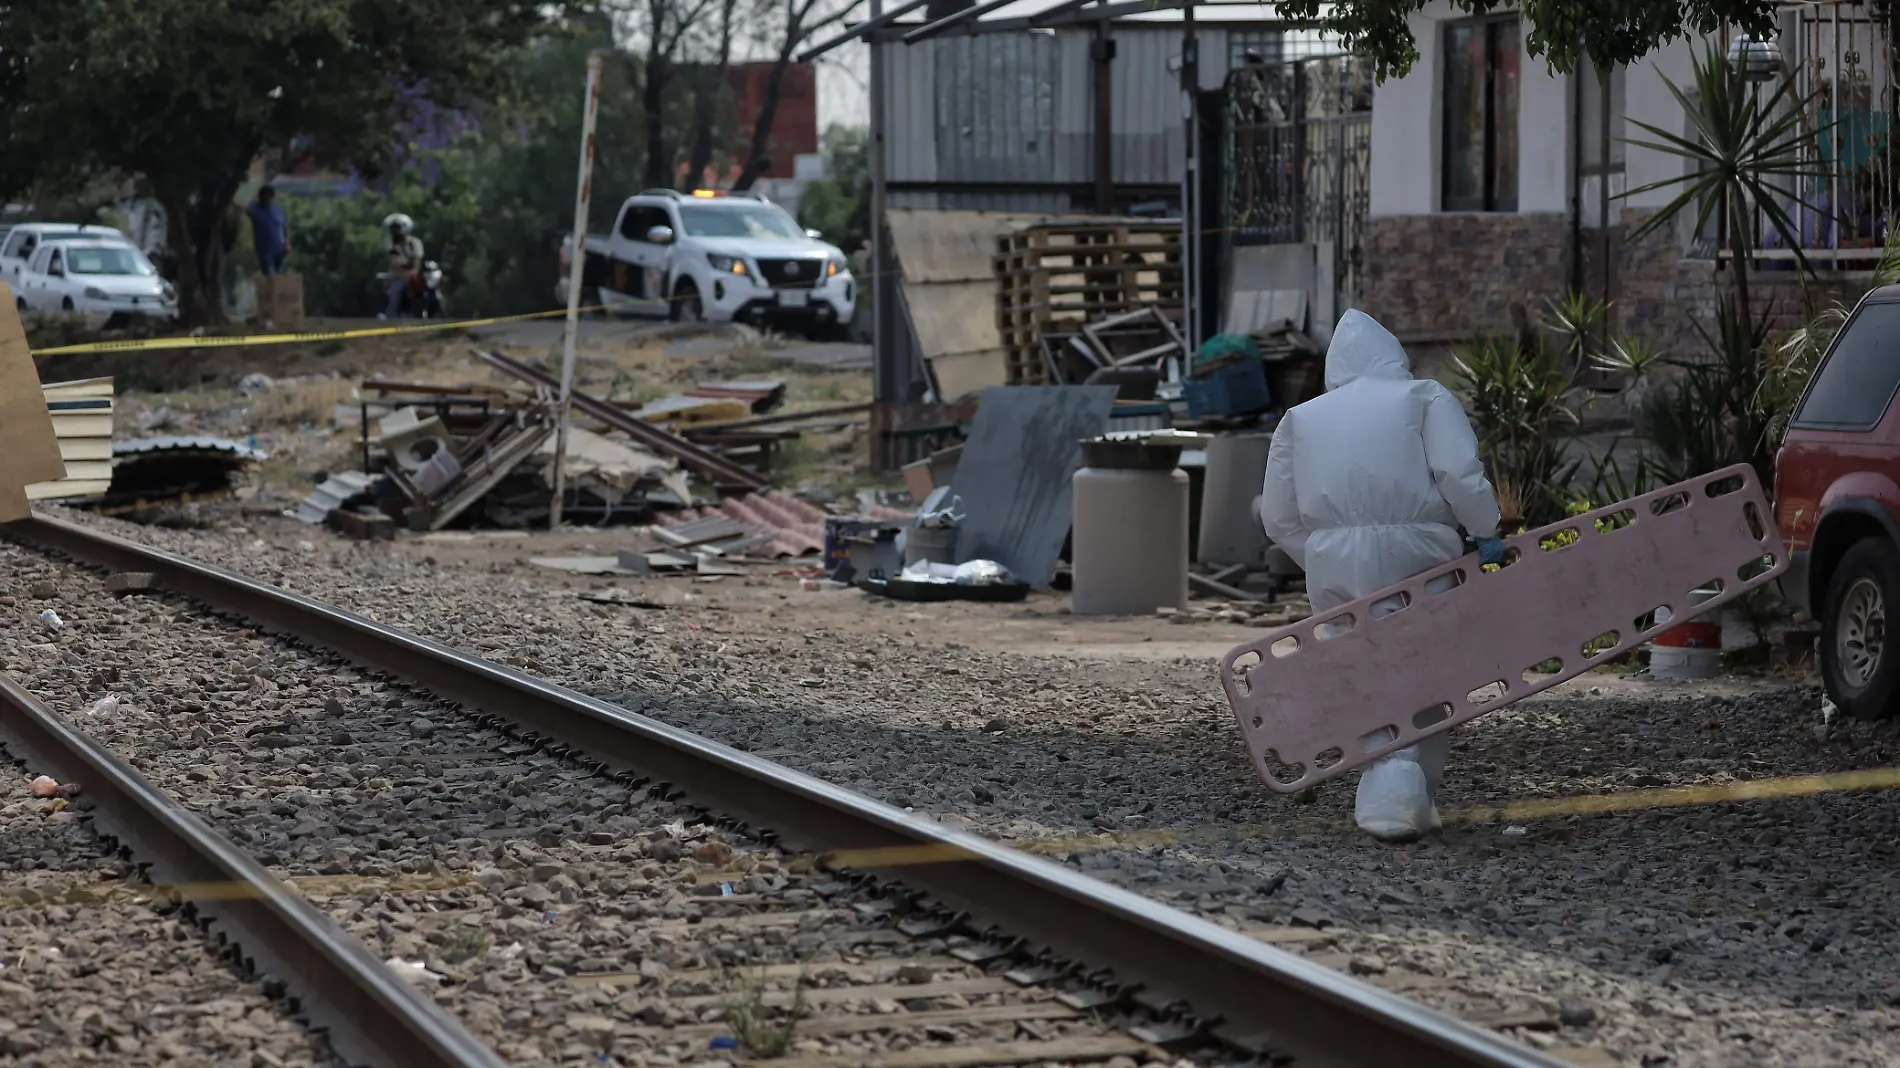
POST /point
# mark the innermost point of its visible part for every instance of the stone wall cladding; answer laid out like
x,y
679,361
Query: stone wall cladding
x,y
1449,278
1454,275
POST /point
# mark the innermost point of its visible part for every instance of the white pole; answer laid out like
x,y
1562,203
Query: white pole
x,y
586,183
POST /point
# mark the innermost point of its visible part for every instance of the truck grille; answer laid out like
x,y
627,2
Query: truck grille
x,y
792,274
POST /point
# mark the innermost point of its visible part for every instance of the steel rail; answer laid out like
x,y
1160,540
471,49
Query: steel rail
x,y
1252,993
370,1016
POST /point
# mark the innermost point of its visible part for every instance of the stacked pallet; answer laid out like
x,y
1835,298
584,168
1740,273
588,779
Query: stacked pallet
x,y
1055,278
82,421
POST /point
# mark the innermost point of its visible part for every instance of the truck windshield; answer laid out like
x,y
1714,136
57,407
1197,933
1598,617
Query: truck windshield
x,y
1860,375
704,220
107,261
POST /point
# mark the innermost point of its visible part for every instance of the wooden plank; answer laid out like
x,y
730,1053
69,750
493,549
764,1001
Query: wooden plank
x,y
1090,1048
860,1023
870,969
832,995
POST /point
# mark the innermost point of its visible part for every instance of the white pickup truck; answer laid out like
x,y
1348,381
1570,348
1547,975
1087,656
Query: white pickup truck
x,y
719,257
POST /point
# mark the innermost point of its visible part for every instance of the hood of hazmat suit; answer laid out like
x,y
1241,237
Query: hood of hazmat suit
x,y
1367,485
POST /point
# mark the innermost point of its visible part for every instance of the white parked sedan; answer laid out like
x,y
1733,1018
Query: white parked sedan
x,y
105,282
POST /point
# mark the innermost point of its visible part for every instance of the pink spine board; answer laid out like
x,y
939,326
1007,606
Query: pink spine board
x,y
1310,707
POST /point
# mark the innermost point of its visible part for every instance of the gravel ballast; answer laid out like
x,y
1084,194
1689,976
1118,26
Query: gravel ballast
x,y
563,916
1715,934
94,972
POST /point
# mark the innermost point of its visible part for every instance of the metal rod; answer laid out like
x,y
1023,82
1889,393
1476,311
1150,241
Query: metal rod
x,y
1191,181
932,29
876,21
1104,46
885,369
1049,16
590,107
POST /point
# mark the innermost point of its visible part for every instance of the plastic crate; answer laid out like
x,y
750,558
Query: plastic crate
x,y
1239,389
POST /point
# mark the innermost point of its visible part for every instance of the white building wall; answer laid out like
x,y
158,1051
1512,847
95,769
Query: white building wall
x,y
1408,124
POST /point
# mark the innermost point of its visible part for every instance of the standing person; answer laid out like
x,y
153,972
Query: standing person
x,y
270,231
405,261
1367,485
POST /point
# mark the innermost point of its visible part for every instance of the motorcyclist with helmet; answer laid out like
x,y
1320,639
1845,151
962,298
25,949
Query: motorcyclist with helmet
x,y
405,261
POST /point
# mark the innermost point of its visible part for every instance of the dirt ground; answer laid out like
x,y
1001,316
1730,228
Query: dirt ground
x,y
293,417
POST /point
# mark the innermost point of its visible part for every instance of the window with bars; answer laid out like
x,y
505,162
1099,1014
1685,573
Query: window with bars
x,y
1480,115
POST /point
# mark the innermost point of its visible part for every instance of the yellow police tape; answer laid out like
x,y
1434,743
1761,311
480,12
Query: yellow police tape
x,y
244,340
888,857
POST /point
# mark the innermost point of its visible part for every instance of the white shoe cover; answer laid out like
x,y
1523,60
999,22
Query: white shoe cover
x,y
1394,803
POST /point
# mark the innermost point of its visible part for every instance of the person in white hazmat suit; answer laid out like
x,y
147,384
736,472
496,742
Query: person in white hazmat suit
x,y
1367,484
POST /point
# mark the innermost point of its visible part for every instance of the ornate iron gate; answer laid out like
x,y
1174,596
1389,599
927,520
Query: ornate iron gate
x,y
1299,158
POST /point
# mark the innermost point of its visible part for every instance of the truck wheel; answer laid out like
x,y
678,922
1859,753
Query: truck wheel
x,y
1861,673
685,305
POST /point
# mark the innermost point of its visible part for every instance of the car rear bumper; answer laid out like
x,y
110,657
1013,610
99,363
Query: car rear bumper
x,y
1793,582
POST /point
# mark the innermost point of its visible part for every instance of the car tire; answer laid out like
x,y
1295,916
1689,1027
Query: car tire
x,y
686,307
66,304
1860,672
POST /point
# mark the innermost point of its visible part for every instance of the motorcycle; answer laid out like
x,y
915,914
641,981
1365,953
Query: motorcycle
x,y
422,298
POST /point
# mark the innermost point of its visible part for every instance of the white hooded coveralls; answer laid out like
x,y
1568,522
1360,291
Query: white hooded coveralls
x,y
1367,483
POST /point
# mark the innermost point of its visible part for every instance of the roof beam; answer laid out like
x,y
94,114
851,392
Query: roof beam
x,y
932,29
861,29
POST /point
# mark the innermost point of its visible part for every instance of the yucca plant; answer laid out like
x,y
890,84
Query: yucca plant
x,y
1515,396
1575,320
1744,158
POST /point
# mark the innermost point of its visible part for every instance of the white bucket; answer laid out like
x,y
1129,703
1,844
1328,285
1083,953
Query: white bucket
x,y
1673,662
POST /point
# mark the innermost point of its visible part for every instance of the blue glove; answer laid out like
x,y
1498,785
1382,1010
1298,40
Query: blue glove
x,y
1490,550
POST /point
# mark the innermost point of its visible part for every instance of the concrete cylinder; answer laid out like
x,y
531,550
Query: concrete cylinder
x,y
1130,549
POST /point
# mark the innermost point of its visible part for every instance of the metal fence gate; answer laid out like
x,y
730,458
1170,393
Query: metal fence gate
x,y
1299,159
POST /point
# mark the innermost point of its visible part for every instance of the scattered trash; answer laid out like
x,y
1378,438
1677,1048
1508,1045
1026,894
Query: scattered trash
x,y
509,951
255,381
51,621
413,971
1829,710
1516,830
725,889
723,1042
45,786
982,573
105,706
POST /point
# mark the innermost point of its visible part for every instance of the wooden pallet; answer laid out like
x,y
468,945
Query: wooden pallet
x,y
1056,278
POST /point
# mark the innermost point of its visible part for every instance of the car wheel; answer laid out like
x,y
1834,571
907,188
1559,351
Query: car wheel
x,y
19,305
686,307
1860,672
67,305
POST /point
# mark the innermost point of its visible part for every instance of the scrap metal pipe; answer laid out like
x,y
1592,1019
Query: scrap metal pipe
x,y
589,110
1255,993
372,1017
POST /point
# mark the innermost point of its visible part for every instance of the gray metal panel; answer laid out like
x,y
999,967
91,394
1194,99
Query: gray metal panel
x,y
1021,108
996,108
910,112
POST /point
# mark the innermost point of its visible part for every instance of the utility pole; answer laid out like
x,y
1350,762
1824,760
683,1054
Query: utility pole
x,y
589,110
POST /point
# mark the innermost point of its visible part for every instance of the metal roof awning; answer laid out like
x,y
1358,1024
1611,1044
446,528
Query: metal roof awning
x,y
1022,16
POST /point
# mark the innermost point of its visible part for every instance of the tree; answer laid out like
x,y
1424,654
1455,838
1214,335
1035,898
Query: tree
x,y
1560,31
839,205
802,21
188,93
665,24
712,89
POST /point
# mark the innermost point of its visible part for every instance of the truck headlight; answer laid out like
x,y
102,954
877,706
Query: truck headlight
x,y
726,264
834,267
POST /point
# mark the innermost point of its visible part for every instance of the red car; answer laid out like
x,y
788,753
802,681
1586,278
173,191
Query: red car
x,y
1837,503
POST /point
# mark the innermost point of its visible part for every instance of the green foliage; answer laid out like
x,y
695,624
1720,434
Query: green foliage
x,y
1718,411
187,93
495,205
1559,31
1745,154
759,1029
1515,395
839,206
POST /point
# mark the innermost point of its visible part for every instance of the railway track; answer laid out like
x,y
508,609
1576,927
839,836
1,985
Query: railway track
x,y
654,890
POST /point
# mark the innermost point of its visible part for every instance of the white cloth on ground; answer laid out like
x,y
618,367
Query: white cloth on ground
x,y
1366,485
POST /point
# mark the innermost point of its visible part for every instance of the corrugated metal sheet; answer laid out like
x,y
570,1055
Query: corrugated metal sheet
x,y
1021,108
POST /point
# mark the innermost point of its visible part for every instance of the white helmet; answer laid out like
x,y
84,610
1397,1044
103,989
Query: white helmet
x,y
400,223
